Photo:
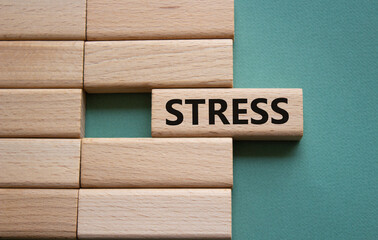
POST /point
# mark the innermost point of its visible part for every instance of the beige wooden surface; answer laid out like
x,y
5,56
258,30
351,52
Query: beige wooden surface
x,y
291,130
139,66
39,163
154,19
42,19
147,162
42,113
38,213
41,64
155,213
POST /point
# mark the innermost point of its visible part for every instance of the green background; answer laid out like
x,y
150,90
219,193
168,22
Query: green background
x,y
326,185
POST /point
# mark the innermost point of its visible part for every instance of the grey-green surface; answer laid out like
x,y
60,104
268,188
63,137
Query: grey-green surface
x,y
326,185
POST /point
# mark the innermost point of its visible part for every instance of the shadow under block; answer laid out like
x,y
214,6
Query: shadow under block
x,y
147,162
250,114
42,113
42,19
139,66
157,19
41,64
155,213
39,163
38,213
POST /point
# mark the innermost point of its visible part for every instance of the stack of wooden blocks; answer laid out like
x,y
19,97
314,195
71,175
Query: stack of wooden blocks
x,y
57,184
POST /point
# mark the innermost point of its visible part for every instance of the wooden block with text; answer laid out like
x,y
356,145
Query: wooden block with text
x,y
139,66
38,213
157,19
155,214
250,114
41,64
55,113
39,163
154,162
42,19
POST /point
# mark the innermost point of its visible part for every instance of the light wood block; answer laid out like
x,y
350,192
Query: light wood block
x,y
147,162
139,66
42,113
41,64
155,213
41,163
254,114
38,213
156,19
42,19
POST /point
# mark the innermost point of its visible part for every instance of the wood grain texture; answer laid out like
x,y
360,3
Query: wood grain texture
x,y
154,19
41,163
291,130
42,19
155,213
41,64
146,162
42,113
38,213
139,66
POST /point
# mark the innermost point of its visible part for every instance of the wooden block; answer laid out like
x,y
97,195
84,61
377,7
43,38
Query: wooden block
x,y
156,19
147,162
38,213
42,163
42,19
155,213
41,64
139,66
254,114
42,113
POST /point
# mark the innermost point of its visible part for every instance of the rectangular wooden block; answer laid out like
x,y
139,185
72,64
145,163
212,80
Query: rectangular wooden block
x,y
42,19
147,162
41,163
41,64
38,213
139,66
255,114
157,19
155,213
42,113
